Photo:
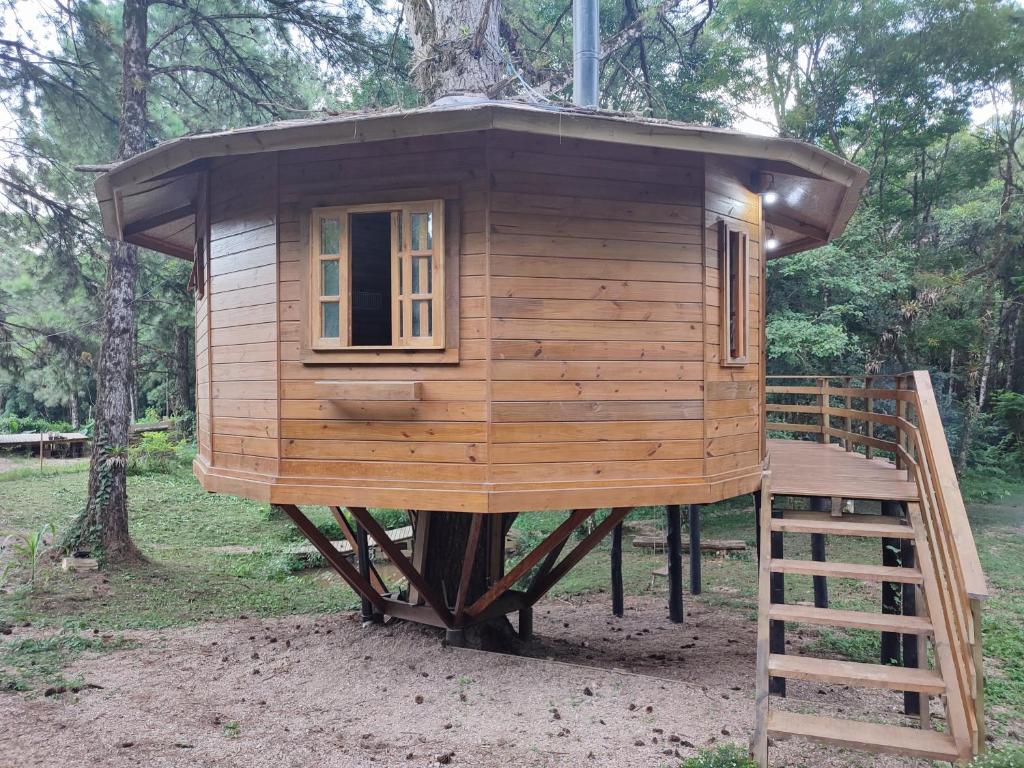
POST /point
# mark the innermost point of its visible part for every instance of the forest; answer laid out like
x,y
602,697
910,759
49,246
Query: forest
x,y
926,94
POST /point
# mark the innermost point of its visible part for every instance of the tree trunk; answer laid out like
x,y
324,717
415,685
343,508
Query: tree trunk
x,y
73,404
456,44
445,554
102,527
184,393
456,50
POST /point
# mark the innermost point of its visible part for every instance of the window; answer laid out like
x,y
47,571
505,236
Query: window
x,y
377,276
733,272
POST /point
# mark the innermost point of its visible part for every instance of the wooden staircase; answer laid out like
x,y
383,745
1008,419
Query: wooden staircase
x,y
938,578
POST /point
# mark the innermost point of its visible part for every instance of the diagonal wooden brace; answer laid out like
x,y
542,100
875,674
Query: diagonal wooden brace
x,y
350,537
555,539
538,590
333,557
468,560
401,562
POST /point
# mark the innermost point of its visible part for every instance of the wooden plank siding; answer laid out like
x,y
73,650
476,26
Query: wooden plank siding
x,y
242,354
442,436
587,368
597,312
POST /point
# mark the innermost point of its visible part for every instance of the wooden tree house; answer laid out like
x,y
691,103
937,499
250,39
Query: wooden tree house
x,y
482,308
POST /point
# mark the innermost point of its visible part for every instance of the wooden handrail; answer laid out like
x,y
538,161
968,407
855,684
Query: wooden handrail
x,y
934,439
911,435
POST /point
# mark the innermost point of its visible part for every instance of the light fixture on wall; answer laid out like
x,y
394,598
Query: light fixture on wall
x,y
764,184
771,242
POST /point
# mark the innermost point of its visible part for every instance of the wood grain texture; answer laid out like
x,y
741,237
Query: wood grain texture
x,y
582,316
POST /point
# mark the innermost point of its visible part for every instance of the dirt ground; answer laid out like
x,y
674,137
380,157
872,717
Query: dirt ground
x,y
321,690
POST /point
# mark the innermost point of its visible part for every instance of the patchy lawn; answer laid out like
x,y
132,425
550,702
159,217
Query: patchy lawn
x,y
183,653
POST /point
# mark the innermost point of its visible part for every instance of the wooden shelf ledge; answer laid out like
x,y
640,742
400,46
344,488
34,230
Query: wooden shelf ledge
x,y
370,390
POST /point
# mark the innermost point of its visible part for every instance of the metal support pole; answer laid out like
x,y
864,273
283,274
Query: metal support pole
x,y
911,699
366,607
777,629
675,564
695,552
891,591
526,623
819,504
617,599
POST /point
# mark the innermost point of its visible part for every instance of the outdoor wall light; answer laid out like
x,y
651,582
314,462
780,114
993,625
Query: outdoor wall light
x,y
764,184
771,242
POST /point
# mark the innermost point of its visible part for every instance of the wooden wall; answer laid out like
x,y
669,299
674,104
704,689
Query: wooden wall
x,y
243,326
441,438
732,396
596,289
588,354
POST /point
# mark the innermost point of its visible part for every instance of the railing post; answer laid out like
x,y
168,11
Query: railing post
x,y
899,430
979,673
823,400
869,451
847,421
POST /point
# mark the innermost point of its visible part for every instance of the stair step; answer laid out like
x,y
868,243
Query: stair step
x,y
856,674
847,525
872,573
879,622
891,739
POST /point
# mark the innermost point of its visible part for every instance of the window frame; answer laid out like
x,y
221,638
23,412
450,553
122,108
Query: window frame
x,y
734,289
402,301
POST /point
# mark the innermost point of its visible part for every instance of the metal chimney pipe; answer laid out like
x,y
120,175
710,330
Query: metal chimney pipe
x,y
586,46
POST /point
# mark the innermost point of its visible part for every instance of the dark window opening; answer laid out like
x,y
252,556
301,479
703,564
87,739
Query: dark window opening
x,y
736,295
371,279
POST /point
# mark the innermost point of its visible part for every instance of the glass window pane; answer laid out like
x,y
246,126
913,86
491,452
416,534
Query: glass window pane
x,y
329,278
329,321
421,276
398,227
330,236
422,231
422,325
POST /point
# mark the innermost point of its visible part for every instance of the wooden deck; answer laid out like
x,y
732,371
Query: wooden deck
x,y
805,468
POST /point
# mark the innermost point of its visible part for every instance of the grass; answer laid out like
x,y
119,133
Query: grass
x,y
37,664
190,577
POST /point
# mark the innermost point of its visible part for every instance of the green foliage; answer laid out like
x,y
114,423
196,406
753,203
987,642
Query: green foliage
x,y
721,756
1010,757
232,729
11,424
1009,412
29,549
158,452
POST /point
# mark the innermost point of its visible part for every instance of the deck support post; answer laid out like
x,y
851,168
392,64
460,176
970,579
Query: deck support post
x,y
891,591
819,504
675,564
757,523
911,699
777,629
526,623
695,551
455,637
366,612
617,598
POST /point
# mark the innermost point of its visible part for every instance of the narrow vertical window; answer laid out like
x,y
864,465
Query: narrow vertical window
x,y
377,276
733,263
329,252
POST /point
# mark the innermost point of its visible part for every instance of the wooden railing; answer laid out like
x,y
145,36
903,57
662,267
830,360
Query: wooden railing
x,y
896,418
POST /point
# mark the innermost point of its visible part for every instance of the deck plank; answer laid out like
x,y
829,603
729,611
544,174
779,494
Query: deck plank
x,y
805,468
